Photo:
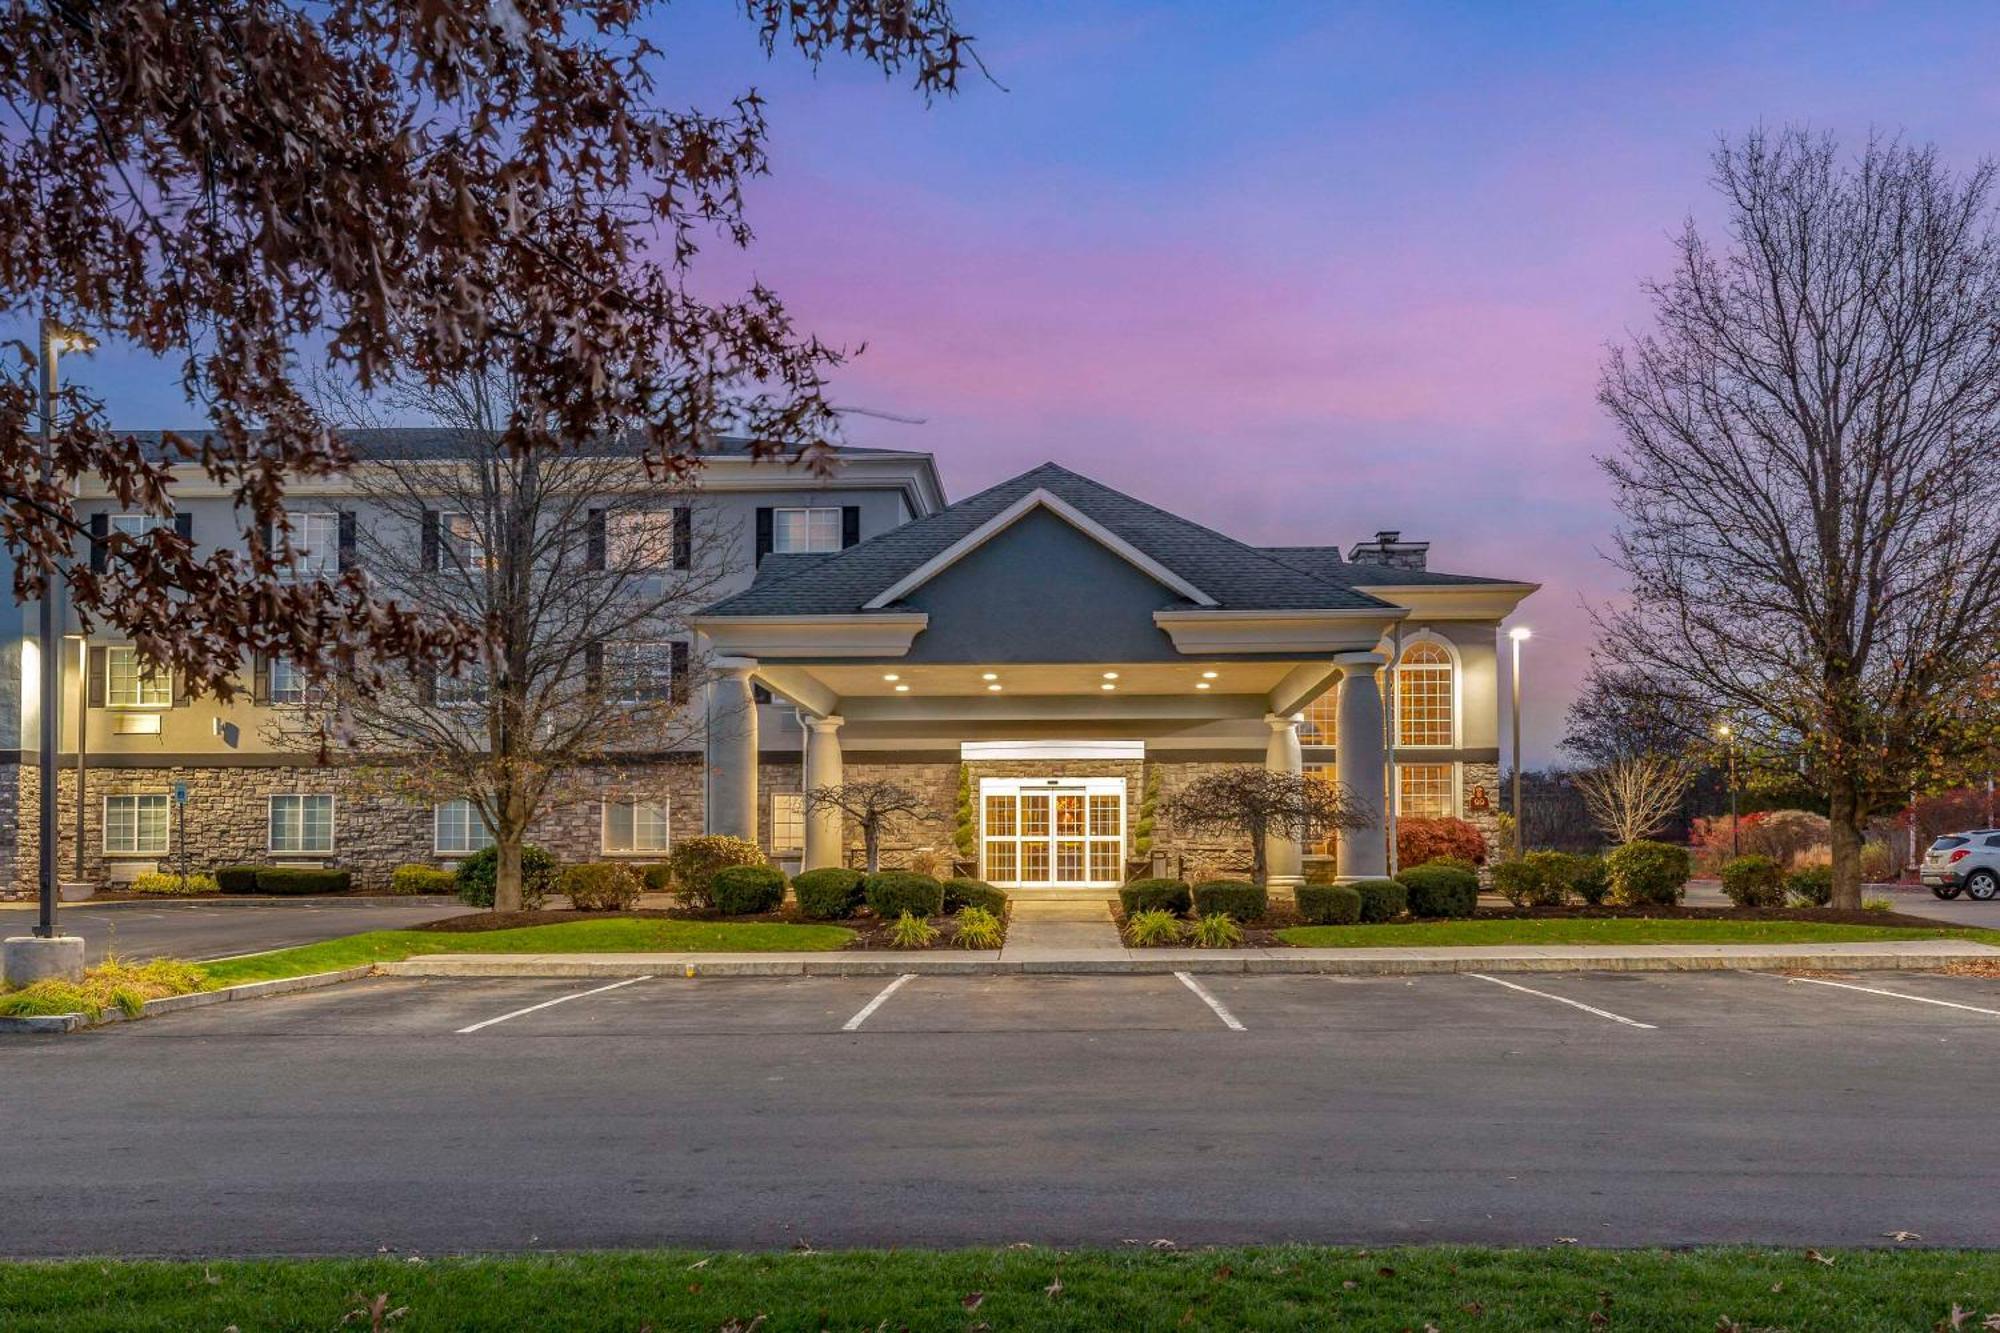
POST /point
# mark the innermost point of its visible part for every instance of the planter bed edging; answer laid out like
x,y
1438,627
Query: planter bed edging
x,y
172,1004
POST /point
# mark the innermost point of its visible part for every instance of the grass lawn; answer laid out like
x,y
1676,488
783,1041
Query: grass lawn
x,y
1613,930
604,935
1286,1287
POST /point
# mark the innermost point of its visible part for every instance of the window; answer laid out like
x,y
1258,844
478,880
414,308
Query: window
x,y
131,682
1327,845
302,823
462,535
639,672
460,829
316,543
468,687
1423,696
802,530
135,825
1038,832
1318,727
290,685
639,540
788,821
1425,791
134,525
635,826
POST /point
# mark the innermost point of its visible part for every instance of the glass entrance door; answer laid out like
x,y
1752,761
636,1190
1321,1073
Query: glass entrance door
x,y
1046,833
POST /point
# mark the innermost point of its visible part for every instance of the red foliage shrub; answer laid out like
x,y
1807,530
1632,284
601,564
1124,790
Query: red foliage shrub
x,y
1421,840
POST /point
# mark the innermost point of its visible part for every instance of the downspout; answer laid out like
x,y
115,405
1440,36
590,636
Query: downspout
x,y
1389,743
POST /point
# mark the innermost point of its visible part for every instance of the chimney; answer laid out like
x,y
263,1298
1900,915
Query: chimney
x,y
1390,549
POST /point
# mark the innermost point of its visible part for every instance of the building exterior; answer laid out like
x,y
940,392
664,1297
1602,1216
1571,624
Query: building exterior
x,y
1046,660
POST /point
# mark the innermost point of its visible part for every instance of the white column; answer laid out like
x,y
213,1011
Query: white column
x,y
732,749
1357,762
1281,755
823,769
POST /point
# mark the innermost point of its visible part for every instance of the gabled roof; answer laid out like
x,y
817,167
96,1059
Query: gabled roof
x,y
1235,576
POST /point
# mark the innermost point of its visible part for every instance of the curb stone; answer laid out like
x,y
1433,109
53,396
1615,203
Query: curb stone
x,y
173,1004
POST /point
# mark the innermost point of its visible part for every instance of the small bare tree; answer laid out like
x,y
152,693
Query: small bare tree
x,y
1256,803
1632,797
872,805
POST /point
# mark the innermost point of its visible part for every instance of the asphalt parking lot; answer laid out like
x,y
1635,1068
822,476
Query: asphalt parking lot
x,y
211,929
1612,1108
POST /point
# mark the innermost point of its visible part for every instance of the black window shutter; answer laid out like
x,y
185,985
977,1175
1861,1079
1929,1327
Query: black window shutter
x,y
184,526
98,658
850,525
347,539
679,665
268,535
260,678
594,542
430,539
177,690
593,668
683,538
100,527
763,532
759,695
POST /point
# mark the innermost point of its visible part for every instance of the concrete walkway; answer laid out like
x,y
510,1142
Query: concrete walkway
x,y
1048,931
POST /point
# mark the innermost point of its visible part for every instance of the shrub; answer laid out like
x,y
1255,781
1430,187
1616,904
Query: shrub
x,y
658,878
830,893
967,892
1440,890
977,928
478,872
693,863
416,879
1329,904
912,932
896,892
1878,904
1879,863
237,879
1215,931
1557,876
1648,874
747,890
1590,879
1754,881
289,881
1811,886
1231,897
1518,882
1156,895
1152,927
600,886
1381,899
173,886
1420,841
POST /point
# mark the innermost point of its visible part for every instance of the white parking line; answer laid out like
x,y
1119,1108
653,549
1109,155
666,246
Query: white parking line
x,y
1897,995
560,999
876,1003
1574,1004
1221,1012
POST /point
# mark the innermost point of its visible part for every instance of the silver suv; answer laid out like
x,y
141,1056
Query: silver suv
x,y
1969,861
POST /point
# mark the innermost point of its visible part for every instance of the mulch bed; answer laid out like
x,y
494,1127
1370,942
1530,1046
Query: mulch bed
x,y
870,932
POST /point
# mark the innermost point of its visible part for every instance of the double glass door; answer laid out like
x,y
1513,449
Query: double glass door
x,y
1043,833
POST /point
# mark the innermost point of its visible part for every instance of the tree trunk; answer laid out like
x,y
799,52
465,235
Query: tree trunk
x,y
1845,815
871,842
1258,870
507,882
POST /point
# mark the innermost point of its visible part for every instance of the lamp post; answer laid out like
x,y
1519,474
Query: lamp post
x,y
1728,736
56,339
1520,634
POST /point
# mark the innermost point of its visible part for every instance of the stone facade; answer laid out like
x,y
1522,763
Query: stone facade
x,y
1483,779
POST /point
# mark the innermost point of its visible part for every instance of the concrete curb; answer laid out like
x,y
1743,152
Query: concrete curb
x,y
173,1004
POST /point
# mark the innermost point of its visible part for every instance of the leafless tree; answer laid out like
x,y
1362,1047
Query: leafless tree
x,y
572,572
1808,484
872,805
1634,797
1255,803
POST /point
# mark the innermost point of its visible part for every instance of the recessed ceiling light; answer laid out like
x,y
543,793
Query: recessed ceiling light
x,y
1111,675
989,675
1107,685
993,687
891,677
1208,675
902,689
1201,684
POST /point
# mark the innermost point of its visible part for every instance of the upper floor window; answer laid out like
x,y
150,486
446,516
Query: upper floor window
x,y
302,823
640,539
136,825
460,829
134,525
635,826
130,681
639,671
467,687
467,543
290,685
1318,728
315,543
1424,696
794,531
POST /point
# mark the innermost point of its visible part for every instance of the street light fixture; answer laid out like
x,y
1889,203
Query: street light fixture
x,y
1727,735
1520,634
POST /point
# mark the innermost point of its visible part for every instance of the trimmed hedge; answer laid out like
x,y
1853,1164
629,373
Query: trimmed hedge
x,y
894,892
600,886
237,879
1519,883
1328,904
658,878
159,884
300,880
1590,878
965,891
1812,886
1381,899
478,873
747,890
1231,897
415,879
1437,890
830,893
1648,874
694,863
1156,895
1754,881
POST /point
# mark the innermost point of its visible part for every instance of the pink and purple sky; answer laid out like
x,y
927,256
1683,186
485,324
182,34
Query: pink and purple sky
x,y
1295,270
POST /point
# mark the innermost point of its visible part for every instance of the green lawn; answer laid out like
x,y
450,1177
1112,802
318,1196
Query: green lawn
x,y
1451,1288
1613,930
603,935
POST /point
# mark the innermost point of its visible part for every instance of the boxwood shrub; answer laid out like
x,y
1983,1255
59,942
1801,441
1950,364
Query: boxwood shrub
x,y
1438,890
695,861
415,879
658,878
237,879
1236,898
1811,886
894,892
830,893
747,890
1648,874
1329,904
1589,879
1754,881
600,886
1156,895
478,872
290,880
1381,899
965,891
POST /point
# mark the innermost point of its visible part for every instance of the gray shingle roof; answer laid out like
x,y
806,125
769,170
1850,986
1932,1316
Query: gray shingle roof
x,y
1237,576
428,443
1326,562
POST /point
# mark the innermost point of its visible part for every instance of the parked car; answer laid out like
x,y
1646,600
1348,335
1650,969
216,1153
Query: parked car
x,y
1968,861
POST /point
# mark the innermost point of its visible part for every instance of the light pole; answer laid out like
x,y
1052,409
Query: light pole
x,y
1728,735
56,339
1520,634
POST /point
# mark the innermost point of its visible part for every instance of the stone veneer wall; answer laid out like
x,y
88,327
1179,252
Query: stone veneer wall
x,y
1487,821
17,879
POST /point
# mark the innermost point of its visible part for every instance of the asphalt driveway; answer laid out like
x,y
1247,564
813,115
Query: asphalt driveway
x,y
222,929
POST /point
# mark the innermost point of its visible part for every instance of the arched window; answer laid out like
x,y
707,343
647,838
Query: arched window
x,y
1423,696
1318,727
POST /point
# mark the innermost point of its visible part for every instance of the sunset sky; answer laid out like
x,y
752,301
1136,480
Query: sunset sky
x,y
1299,271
